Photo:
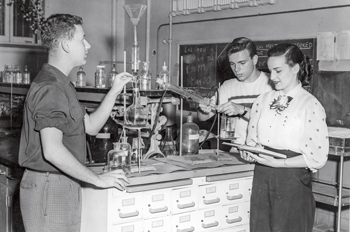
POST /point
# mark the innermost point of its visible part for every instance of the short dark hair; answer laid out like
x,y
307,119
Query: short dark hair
x,y
240,44
293,55
58,27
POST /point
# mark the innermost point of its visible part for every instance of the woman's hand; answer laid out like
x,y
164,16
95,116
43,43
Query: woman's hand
x,y
266,160
246,155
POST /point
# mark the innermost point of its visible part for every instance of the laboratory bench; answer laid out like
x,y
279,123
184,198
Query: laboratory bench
x,y
176,196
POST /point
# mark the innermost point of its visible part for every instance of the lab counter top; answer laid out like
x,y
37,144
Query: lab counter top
x,y
171,173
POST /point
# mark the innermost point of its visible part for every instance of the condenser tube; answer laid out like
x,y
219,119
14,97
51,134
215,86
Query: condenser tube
x,y
184,93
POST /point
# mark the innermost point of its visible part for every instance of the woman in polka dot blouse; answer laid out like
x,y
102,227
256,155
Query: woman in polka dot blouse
x,y
291,121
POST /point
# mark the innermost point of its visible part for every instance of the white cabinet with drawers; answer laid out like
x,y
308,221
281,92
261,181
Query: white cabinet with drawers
x,y
204,205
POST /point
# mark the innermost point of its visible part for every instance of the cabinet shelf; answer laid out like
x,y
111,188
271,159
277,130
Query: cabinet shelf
x,y
328,194
86,94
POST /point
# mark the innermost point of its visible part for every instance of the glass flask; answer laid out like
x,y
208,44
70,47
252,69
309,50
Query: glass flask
x,y
227,127
168,145
145,77
190,137
136,114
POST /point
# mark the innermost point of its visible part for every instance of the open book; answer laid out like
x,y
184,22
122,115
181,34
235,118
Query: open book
x,y
258,150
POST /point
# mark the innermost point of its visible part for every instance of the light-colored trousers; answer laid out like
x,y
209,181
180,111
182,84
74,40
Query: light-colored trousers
x,y
50,202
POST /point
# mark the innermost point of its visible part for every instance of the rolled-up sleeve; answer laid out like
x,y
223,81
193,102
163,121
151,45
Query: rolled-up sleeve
x,y
50,108
314,142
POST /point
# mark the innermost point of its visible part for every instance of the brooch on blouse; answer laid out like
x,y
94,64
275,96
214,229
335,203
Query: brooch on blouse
x,y
281,103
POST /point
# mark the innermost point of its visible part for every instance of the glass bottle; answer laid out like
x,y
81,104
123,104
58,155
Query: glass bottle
x,y
5,74
136,114
116,158
17,75
112,75
145,77
10,75
190,137
164,75
168,146
81,77
100,76
103,141
26,76
126,147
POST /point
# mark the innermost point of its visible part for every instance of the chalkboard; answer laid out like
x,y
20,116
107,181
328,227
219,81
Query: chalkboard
x,y
206,65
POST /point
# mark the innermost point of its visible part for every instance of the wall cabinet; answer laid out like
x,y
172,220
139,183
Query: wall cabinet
x,y
13,27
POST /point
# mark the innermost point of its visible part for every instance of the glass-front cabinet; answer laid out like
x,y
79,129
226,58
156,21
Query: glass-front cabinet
x,y
14,24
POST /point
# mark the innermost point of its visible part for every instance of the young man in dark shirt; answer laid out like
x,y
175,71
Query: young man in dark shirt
x,y
53,139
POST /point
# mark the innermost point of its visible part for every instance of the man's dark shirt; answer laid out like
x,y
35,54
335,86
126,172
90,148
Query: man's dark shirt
x,y
51,102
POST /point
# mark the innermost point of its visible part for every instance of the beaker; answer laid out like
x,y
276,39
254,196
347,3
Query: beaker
x,y
227,127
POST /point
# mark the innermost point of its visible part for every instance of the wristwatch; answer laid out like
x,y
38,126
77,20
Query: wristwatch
x,y
244,112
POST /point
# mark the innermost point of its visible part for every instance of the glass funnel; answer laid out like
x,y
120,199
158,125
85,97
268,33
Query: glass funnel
x,y
136,114
135,11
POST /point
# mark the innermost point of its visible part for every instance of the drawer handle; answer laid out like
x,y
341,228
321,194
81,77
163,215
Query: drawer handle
x,y
184,206
236,197
159,210
213,201
186,230
210,225
231,221
128,215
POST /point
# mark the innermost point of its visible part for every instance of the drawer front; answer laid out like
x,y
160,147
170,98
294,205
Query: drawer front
x,y
236,191
126,208
184,200
210,195
210,219
156,203
244,228
185,222
128,227
235,215
162,224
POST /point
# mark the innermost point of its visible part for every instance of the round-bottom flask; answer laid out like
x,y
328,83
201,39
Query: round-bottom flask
x,y
136,114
